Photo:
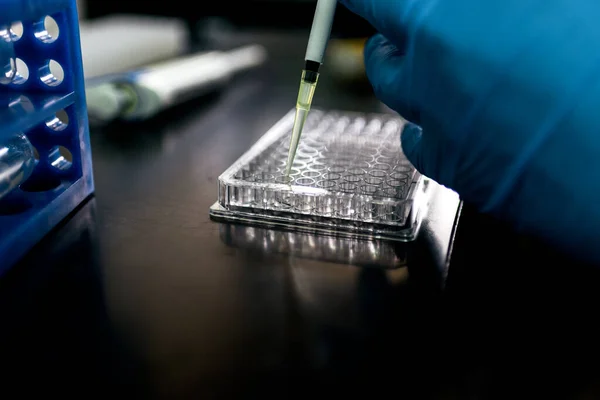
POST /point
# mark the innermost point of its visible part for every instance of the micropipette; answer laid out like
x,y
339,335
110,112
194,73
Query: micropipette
x,y
315,52
141,94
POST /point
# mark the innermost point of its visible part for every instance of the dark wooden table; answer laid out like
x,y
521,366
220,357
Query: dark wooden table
x,y
139,294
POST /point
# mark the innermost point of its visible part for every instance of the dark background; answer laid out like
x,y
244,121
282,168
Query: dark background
x,y
279,14
139,294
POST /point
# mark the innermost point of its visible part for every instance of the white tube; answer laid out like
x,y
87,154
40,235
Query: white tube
x,y
120,43
172,82
320,31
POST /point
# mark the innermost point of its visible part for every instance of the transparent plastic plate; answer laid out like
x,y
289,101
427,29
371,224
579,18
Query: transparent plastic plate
x,y
349,177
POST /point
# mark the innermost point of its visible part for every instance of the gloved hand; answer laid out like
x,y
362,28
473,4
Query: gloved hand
x,y
506,94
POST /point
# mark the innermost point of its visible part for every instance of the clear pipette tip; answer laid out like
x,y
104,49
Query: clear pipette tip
x,y
299,121
308,84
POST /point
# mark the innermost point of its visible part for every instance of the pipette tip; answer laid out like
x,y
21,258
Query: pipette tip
x,y
299,120
303,104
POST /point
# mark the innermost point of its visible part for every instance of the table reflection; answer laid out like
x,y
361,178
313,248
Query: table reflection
x,y
343,250
55,328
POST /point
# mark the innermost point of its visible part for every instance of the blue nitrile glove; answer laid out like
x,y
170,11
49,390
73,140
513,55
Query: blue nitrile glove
x,y
507,93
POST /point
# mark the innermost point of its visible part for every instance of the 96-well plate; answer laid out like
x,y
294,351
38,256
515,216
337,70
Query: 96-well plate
x,y
349,177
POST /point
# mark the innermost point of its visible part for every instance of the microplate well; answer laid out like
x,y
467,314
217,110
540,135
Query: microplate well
x,y
349,177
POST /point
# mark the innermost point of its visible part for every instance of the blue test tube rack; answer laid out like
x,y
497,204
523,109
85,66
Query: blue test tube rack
x,y
46,102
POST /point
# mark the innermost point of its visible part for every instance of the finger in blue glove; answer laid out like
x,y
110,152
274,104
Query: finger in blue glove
x,y
505,95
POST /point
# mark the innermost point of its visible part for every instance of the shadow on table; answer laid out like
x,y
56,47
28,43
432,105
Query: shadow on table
x,y
426,254
361,315
521,320
514,319
55,336
358,316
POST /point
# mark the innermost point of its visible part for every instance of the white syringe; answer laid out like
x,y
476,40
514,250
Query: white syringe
x,y
139,95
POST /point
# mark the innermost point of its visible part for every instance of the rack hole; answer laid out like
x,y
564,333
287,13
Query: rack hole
x,y
47,30
22,72
59,122
52,74
60,158
16,30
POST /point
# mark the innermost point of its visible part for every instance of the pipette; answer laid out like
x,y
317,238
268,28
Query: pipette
x,y
315,52
141,94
